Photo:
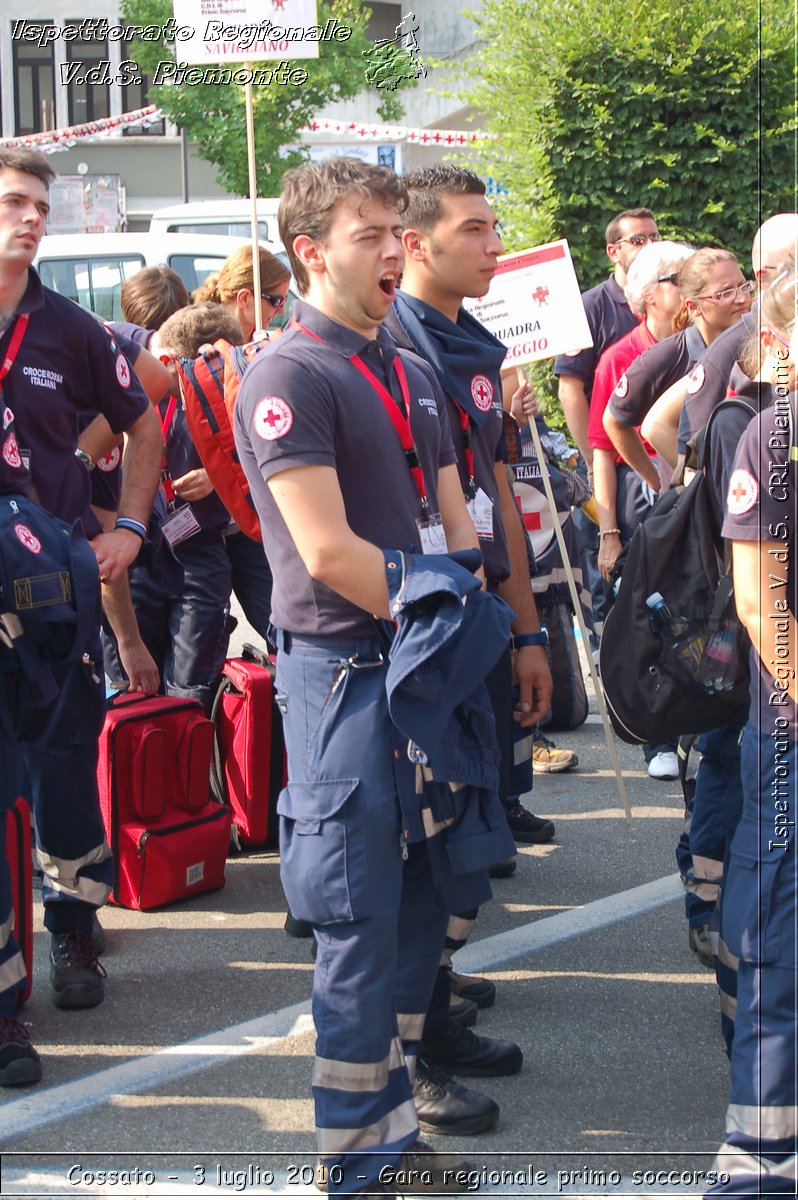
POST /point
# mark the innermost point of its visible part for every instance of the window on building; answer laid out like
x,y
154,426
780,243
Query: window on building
x,y
87,75
383,21
34,84
134,94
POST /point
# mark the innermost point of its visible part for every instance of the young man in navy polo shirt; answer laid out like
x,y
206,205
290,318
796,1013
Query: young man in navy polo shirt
x,y
58,362
451,251
322,423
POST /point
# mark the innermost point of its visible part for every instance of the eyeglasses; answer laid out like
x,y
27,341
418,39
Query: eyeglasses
x,y
778,338
674,279
275,301
639,239
746,288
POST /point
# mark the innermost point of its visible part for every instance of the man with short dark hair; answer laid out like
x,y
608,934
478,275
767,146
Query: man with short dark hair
x,y
346,446
57,363
451,250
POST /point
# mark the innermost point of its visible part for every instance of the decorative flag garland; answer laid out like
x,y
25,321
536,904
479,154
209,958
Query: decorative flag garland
x,y
53,140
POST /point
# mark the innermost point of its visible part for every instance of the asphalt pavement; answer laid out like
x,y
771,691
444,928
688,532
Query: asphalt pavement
x,y
193,1077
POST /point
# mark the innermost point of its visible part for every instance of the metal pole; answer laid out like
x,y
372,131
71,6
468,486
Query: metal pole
x,y
566,562
253,195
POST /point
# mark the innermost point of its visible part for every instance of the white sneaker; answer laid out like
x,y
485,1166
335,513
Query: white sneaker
x,y
664,765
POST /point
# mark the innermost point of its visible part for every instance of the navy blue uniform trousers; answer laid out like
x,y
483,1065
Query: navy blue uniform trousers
x,y
378,920
759,921
49,751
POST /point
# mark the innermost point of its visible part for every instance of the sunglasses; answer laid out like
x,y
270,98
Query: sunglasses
x,y
674,279
639,239
275,301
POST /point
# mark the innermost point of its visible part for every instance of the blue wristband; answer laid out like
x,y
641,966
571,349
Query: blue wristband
x,y
541,638
132,526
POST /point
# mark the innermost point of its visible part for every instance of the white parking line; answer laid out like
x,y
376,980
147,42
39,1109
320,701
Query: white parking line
x,y
65,1100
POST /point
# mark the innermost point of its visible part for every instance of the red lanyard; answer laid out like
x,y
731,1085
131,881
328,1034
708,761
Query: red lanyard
x,y
468,453
399,420
14,345
166,478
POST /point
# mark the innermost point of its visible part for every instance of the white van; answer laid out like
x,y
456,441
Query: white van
x,y
230,217
90,268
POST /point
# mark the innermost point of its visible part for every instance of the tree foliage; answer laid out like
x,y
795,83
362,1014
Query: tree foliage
x,y
601,105
214,114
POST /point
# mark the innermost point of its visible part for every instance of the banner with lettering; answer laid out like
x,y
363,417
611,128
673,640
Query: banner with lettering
x,y
226,31
534,305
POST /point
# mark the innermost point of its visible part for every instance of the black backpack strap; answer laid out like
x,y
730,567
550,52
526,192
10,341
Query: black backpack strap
x,y
702,439
684,749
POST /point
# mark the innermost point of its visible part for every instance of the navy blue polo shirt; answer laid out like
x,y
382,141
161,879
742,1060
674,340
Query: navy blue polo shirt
x,y
106,478
609,317
14,475
303,403
760,506
652,373
127,331
68,363
708,380
487,438
182,456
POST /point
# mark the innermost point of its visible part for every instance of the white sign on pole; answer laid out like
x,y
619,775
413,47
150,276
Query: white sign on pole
x,y
534,305
228,31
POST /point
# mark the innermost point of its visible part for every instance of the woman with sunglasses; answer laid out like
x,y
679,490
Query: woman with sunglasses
x,y
714,295
233,286
622,497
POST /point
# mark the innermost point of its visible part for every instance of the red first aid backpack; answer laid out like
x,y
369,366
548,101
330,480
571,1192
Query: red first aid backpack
x,y
209,386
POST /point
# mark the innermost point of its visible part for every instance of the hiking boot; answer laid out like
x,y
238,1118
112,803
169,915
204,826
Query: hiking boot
x,y
19,1062
445,1106
97,936
548,758
462,1011
421,1170
76,975
297,928
459,1051
473,987
503,869
526,827
700,941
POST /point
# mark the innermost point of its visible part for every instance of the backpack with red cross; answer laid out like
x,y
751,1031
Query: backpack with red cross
x,y
209,386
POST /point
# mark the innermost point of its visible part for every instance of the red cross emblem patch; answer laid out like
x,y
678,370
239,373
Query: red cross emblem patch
x,y
110,460
743,492
11,452
622,386
28,539
273,418
482,392
696,380
122,371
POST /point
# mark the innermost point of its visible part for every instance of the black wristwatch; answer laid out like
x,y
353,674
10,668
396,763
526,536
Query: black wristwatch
x,y
85,458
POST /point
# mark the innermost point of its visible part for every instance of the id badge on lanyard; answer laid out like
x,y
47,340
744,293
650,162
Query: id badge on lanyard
x,y
480,509
181,522
432,534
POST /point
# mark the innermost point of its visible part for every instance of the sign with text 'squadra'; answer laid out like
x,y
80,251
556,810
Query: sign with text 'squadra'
x,y
534,305
230,31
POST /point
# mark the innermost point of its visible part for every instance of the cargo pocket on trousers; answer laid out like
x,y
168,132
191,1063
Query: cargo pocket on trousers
x,y
323,864
758,915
